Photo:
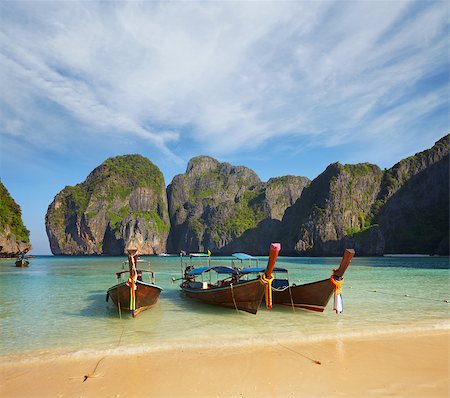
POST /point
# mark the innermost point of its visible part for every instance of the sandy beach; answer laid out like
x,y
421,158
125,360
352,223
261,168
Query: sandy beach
x,y
402,365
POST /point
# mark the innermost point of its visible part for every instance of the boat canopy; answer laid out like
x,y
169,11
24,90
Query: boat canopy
x,y
219,270
256,270
243,256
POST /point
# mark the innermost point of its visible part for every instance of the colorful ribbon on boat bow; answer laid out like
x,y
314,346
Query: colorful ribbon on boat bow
x,y
268,290
337,281
131,282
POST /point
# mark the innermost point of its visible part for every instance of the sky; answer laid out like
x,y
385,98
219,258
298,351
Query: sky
x,y
285,88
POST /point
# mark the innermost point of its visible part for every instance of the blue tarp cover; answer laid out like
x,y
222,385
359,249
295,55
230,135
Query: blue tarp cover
x,y
255,270
219,270
243,256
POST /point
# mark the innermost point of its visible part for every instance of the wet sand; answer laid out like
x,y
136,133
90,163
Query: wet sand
x,y
402,365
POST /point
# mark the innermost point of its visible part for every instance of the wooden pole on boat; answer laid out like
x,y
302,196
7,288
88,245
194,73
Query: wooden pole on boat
x,y
345,262
273,255
337,279
267,277
181,263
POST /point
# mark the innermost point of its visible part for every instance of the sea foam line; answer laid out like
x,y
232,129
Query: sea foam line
x,y
223,347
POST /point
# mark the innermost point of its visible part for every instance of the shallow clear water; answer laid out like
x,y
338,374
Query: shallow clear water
x,y
57,306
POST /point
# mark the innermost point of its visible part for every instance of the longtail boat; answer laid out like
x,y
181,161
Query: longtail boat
x,y
134,294
315,295
22,260
312,296
230,291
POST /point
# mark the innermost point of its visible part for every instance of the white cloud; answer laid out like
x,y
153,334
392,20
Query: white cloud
x,y
225,75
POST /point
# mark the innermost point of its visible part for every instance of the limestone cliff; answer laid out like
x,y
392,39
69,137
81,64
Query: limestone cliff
x,y
404,209
414,203
226,208
121,203
14,237
333,210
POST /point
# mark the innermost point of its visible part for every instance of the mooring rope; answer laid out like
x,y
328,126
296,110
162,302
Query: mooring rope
x,y
414,297
299,353
118,304
275,340
92,374
292,301
234,300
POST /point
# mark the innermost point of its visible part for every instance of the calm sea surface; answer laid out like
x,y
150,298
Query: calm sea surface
x,y
57,306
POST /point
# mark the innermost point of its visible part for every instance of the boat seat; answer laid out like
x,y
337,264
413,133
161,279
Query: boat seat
x,y
280,283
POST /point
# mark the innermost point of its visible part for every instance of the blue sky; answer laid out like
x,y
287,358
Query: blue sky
x,y
280,87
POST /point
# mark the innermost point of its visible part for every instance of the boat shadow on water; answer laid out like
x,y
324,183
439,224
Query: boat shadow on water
x,y
96,307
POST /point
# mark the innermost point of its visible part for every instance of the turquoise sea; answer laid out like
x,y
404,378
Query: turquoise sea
x,y
57,307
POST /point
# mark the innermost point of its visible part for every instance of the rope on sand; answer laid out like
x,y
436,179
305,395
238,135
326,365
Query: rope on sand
x,y
275,340
92,375
299,353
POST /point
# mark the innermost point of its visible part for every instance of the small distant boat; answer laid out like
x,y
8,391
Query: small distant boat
x,y
230,291
22,259
191,255
312,296
134,294
22,262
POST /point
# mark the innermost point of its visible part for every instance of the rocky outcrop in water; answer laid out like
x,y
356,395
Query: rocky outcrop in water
x,y
404,209
223,208
332,210
14,237
122,203
414,203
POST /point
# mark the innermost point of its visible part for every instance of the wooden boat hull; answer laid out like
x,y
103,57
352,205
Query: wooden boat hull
x,y
311,296
22,264
147,295
245,296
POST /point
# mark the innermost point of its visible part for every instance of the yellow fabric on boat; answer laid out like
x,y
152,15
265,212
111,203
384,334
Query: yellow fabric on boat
x,y
337,285
133,287
268,290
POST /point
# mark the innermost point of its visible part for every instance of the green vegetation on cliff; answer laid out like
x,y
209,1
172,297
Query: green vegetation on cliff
x,y
400,210
226,208
395,177
213,205
334,206
123,197
248,213
11,216
114,179
137,170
